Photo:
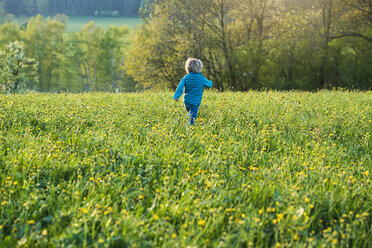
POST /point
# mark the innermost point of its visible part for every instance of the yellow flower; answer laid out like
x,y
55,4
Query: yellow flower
x,y
31,222
277,245
45,232
296,237
280,217
307,199
155,217
84,210
201,223
100,241
174,235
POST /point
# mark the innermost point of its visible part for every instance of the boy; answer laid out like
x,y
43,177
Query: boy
x,y
193,84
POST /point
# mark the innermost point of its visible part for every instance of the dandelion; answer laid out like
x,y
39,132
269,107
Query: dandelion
x,y
84,210
31,222
201,223
296,237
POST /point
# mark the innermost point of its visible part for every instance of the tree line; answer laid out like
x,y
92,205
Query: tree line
x,y
127,8
255,44
42,57
244,44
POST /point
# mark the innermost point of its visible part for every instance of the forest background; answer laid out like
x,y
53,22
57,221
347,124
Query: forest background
x,y
244,44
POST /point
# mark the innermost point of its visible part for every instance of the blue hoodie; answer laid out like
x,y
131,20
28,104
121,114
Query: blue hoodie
x,y
193,84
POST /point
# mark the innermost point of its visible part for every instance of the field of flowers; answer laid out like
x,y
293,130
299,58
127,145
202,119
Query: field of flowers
x,y
259,169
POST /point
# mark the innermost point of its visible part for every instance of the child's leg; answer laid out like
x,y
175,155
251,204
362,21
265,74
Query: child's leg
x,y
193,114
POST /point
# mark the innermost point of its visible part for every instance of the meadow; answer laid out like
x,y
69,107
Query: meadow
x,y
260,169
76,23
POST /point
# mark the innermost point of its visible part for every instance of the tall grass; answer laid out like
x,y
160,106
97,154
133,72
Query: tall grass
x,y
115,170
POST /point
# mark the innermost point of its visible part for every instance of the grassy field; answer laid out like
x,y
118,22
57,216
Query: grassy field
x,y
76,23
259,169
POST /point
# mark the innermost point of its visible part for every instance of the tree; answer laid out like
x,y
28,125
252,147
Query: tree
x,y
17,72
44,42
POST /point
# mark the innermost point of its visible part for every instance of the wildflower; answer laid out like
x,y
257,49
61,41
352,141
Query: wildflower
x,y
155,217
31,222
280,217
201,223
45,232
84,210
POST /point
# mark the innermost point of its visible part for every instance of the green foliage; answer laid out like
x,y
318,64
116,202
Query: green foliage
x,y
17,72
255,44
90,60
259,169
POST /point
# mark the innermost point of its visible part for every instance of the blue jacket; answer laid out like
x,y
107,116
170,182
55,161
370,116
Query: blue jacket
x,y
193,84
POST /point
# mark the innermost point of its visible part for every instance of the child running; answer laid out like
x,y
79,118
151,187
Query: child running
x,y
193,84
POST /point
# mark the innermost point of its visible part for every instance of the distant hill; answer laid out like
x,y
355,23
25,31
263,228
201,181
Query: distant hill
x,y
127,8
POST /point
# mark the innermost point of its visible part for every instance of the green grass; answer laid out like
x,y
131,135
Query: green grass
x,y
76,23
259,169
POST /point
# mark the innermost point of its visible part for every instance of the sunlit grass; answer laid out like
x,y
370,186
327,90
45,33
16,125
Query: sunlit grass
x,y
76,23
258,169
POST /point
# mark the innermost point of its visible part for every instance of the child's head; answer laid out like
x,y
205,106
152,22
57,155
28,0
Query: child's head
x,y
194,65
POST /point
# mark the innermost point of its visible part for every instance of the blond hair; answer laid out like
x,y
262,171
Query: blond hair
x,y
194,65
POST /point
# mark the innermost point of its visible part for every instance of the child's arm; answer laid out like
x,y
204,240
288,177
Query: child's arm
x,y
207,83
179,90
